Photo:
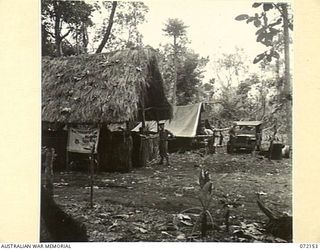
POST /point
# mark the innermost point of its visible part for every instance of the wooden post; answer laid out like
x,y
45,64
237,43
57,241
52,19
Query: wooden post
x,y
92,174
49,171
98,155
213,143
129,144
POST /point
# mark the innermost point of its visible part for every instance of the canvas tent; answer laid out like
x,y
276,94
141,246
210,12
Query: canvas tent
x,y
184,122
99,90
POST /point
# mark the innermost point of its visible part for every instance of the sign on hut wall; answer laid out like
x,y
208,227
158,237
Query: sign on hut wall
x,y
82,140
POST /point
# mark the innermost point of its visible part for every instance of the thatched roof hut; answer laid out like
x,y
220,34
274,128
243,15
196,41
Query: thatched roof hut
x,y
103,88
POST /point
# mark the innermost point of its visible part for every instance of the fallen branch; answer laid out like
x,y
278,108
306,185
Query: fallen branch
x,y
278,225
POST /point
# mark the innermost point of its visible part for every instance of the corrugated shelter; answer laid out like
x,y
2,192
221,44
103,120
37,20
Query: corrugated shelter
x,y
102,89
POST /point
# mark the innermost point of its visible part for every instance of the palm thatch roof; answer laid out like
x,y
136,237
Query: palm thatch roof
x,y
103,88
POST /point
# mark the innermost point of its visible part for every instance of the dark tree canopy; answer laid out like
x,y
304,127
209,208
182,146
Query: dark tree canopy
x,y
61,18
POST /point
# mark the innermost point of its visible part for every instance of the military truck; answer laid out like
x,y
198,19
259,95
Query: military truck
x,y
245,135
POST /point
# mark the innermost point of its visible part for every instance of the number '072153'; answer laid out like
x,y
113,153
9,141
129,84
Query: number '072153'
x,y
309,246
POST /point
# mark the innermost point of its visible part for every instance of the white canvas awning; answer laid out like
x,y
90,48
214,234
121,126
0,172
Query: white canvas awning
x,y
183,124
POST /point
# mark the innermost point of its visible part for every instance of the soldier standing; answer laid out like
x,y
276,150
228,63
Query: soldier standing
x,y
163,143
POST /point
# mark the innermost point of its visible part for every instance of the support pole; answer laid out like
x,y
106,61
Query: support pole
x,y
92,174
49,171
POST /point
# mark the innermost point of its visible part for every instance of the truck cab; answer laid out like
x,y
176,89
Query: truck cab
x,y
245,135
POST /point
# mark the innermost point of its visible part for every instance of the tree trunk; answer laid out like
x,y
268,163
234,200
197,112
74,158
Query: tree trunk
x,y
287,83
57,36
263,102
85,37
108,31
174,90
57,29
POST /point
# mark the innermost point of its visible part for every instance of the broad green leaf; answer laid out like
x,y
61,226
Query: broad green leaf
x,y
207,188
275,54
260,37
265,19
273,31
266,42
290,25
257,23
269,36
256,5
269,58
267,6
260,30
242,17
258,58
275,23
250,19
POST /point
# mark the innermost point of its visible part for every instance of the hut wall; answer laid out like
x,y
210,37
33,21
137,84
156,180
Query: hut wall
x,y
58,141
145,149
115,150
118,151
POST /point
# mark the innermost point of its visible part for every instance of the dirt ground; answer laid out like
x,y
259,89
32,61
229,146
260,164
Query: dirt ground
x,y
148,204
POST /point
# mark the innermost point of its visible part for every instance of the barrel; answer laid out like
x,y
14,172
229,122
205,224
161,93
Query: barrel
x,y
276,153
